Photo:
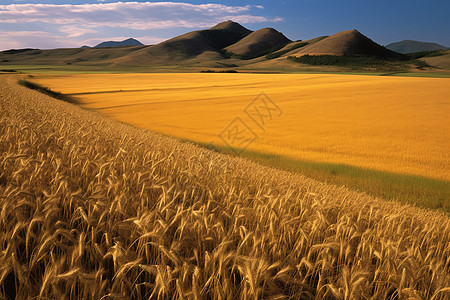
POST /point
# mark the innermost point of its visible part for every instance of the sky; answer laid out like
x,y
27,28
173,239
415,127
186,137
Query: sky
x,y
47,24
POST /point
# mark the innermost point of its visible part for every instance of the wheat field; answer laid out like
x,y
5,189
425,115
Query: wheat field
x,y
92,208
392,124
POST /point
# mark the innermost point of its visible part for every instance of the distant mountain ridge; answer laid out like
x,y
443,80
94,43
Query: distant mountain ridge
x,y
411,46
127,42
347,43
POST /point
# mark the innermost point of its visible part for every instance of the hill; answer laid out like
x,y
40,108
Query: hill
x,y
259,43
346,43
439,61
66,56
289,48
228,45
233,27
207,45
127,42
192,44
410,46
296,44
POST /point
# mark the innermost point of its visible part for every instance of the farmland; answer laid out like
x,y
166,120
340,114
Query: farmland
x,y
391,131
94,208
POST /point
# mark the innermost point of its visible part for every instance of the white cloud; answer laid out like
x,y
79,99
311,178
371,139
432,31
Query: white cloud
x,y
68,25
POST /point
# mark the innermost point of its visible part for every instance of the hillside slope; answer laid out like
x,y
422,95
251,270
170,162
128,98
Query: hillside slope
x,y
258,43
292,45
441,61
346,43
94,208
192,44
65,56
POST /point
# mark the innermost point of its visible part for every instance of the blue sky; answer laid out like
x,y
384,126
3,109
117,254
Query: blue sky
x,y
52,24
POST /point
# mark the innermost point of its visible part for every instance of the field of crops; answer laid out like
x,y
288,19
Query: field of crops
x,y
385,123
387,136
91,208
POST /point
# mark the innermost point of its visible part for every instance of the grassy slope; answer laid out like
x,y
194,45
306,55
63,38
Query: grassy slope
x,y
259,43
361,63
415,190
68,56
355,123
427,60
349,42
292,47
442,62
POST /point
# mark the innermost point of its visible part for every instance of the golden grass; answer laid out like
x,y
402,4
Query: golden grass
x,y
442,62
391,124
92,208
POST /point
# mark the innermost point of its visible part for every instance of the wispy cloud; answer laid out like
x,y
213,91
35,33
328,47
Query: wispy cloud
x,y
75,31
132,15
32,39
69,25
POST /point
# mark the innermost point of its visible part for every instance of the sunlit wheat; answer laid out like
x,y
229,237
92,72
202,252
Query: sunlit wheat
x,y
91,208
